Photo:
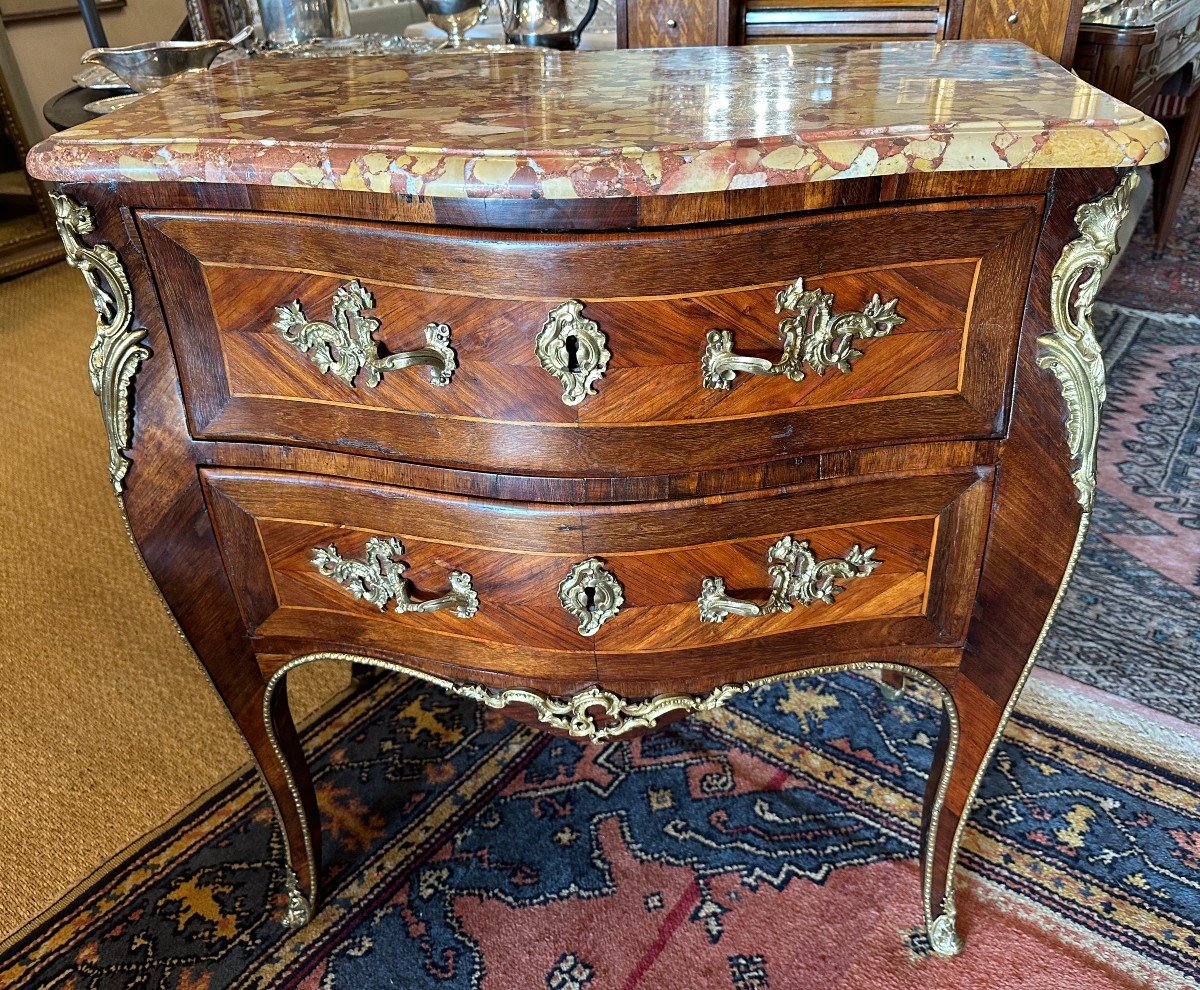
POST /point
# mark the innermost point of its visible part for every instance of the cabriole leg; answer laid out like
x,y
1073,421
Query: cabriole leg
x,y
937,830
134,377
1044,498
287,777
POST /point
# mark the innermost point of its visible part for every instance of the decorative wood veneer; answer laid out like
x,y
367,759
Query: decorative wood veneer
x,y
944,371
968,496
518,553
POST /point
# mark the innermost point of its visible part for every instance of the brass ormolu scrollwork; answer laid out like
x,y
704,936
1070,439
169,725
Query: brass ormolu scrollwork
x,y
117,350
380,578
572,348
347,346
592,594
815,336
1071,351
573,715
797,575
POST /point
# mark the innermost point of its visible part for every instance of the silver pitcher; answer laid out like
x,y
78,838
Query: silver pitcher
x,y
543,22
293,22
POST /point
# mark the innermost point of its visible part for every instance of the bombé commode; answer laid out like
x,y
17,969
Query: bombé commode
x,y
621,405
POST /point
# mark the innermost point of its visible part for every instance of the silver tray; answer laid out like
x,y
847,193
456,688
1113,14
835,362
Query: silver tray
x,y
111,103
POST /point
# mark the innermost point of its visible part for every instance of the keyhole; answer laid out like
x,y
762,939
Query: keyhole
x,y
589,595
571,344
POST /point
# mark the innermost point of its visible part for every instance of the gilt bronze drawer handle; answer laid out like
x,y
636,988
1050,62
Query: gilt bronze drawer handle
x,y
347,346
591,593
572,348
815,336
796,574
380,579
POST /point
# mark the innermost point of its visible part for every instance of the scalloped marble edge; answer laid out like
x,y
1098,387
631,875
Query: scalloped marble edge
x,y
630,172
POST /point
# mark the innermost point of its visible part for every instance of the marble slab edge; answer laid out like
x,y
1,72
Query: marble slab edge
x,y
608,174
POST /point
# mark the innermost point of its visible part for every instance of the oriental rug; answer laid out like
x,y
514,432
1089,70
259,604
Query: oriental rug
x,y
1169,282
1130,622
768,846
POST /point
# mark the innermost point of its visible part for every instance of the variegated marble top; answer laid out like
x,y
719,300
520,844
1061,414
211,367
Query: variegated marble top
x,y
565,125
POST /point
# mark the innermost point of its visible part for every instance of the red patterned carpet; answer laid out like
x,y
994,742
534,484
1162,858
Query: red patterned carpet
x,y
1170,284
767,846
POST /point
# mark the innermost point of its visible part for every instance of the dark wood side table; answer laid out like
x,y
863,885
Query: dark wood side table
x,y
66,109
1148,55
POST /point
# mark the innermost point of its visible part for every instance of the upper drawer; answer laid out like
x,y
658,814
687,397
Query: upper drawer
x,y
597,353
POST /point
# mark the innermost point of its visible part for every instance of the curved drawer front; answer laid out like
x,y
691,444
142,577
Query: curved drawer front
x,y
703,588
598,353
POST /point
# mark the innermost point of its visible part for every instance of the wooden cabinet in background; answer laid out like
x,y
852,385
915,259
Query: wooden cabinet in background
x,y
676,23
776,21
1048,26
1149,57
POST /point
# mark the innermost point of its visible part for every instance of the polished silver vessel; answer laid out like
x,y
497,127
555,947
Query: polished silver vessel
x,y
149,67
293,22
547,23
455,17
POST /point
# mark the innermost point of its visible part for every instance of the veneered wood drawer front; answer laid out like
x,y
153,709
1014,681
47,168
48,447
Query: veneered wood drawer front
x,y
827,21
675,23
955,271
926,533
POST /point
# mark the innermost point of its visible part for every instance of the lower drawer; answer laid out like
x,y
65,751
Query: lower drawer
x,y
661,594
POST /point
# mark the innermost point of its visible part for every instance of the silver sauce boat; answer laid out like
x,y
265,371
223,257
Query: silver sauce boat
x,y
155,64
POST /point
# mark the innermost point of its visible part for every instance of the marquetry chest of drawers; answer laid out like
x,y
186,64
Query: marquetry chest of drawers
x,y
596,426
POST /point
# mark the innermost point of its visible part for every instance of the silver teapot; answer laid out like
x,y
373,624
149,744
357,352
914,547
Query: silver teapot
x,y
543,22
